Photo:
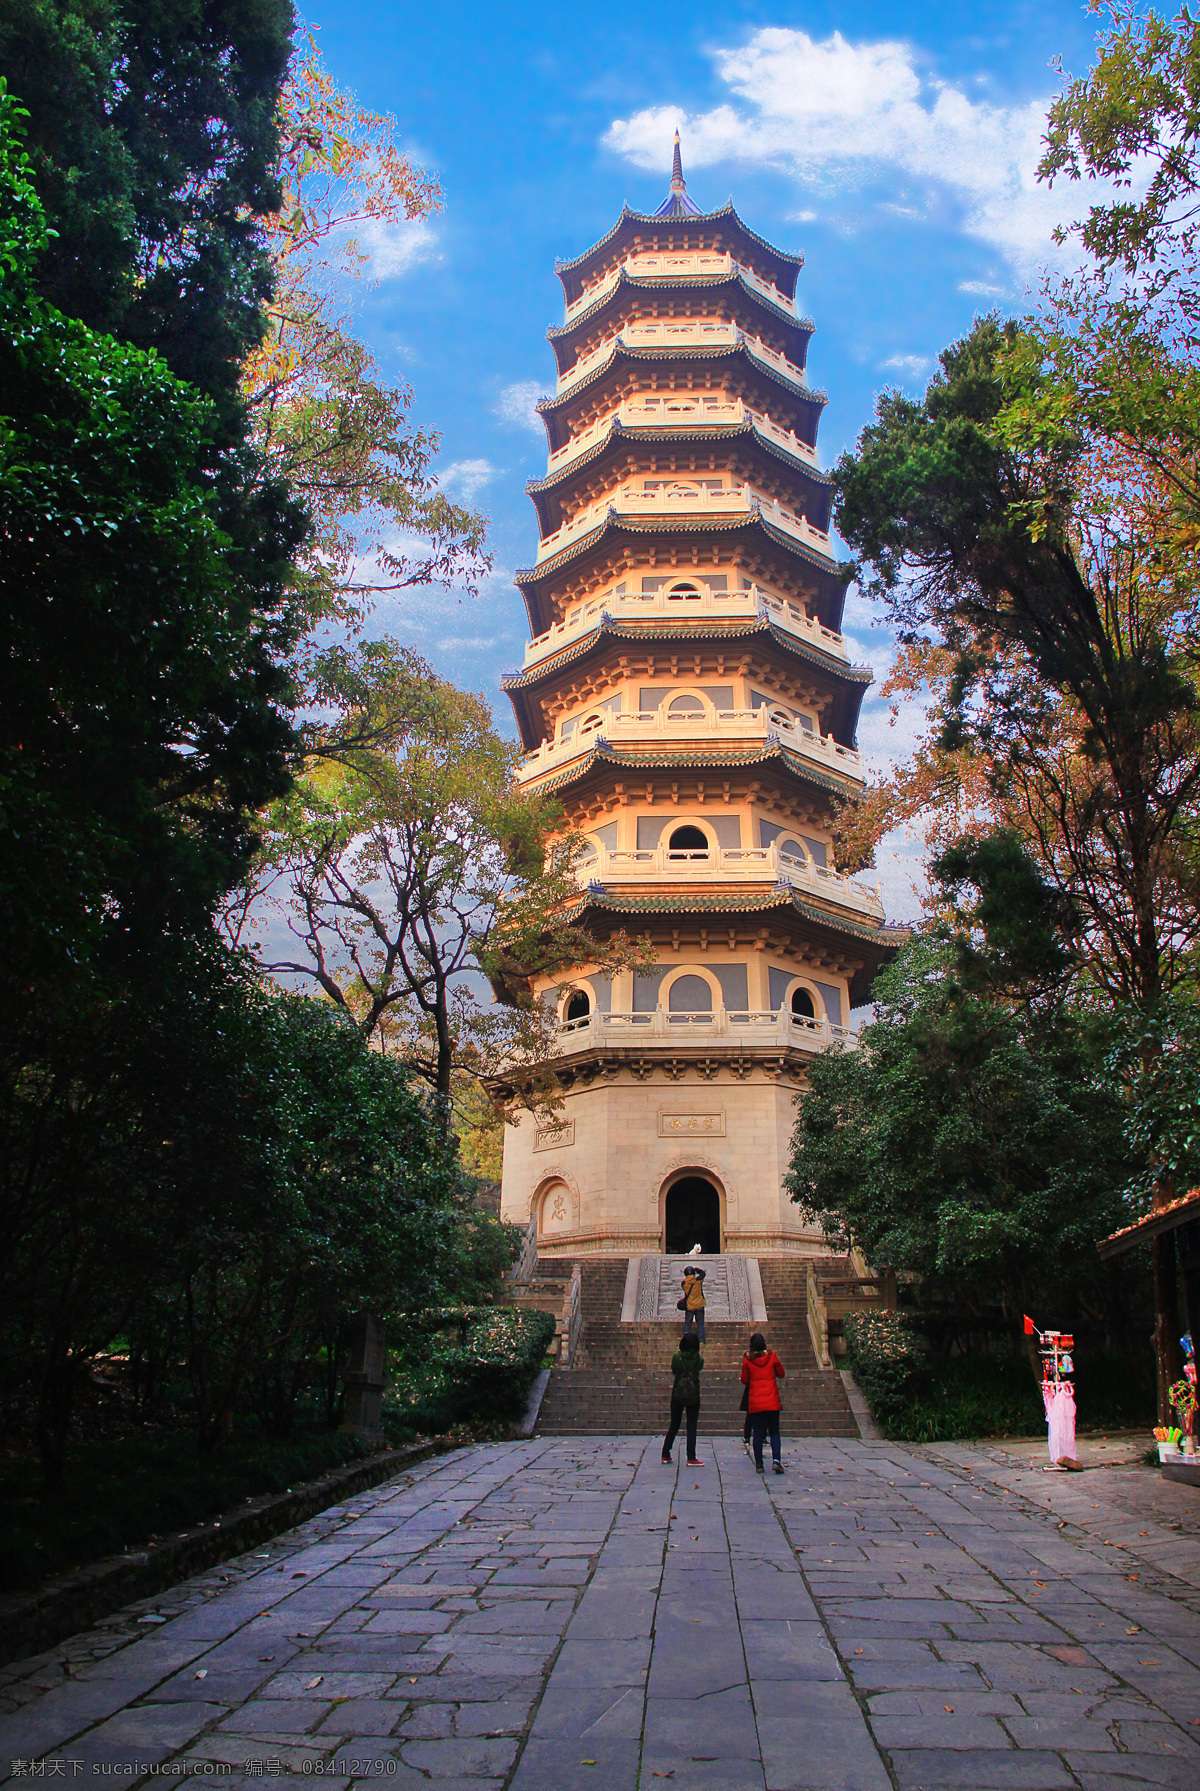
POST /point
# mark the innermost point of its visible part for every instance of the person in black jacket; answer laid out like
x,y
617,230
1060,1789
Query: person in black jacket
x,y
686,1364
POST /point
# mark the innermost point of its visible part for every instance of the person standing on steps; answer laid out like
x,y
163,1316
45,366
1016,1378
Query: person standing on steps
x,y
762,1372
686,1364
692,1303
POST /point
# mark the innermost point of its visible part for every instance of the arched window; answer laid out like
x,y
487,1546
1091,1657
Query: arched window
x,y
684,706
578,1006
682,593
791,848
688,839
689,995
803,1004
592,723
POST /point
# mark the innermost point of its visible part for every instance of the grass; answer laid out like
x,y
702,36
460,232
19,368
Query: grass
x,y
126,1492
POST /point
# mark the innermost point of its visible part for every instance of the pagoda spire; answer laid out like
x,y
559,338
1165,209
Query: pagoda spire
x,y
677,204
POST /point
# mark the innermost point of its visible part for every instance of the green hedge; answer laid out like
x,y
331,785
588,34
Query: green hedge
x,y
120,1492
917,1399
467,1365
887,1357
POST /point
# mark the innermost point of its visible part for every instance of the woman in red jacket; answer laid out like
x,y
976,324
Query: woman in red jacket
x,y
762,1372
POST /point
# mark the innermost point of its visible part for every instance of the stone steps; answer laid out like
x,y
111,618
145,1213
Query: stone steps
x,y
621,1381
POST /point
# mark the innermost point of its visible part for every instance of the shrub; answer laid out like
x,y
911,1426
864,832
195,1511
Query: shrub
x,y
887,1358
481,1373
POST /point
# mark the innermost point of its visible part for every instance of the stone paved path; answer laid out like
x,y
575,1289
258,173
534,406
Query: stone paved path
x,y
568,1613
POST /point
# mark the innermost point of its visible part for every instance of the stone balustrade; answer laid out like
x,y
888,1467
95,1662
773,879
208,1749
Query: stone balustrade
x,y
683,412
667,266
686,497
690,333
747,864
661,726
653,606
660,1030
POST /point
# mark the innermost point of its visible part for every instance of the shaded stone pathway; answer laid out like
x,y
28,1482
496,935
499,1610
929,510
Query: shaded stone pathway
x,y
567,1613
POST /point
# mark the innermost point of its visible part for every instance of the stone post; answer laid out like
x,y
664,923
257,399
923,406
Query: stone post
x,y
364,1376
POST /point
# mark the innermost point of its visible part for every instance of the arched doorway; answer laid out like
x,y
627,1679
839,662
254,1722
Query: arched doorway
x,y
693,1216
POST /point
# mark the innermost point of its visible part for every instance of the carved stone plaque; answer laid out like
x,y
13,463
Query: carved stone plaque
x,y
691,1125
553,1137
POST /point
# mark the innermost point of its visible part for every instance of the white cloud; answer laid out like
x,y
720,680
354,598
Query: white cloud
x,y
392,249
981,287
515,405
914,364
464,478
835,113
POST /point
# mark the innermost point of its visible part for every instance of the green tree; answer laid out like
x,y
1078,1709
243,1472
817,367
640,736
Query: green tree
x,y
970,1142
408,867
140,699
153,146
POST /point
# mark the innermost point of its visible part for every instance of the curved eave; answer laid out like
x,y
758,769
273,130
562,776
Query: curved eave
x,y
532,581
706,758
878,945
786,266
805,398
562,336
545,491
849,682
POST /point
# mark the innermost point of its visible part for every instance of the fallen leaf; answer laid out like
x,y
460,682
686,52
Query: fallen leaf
x,y
587,1762
312,1684
203,1673
858,1651
949,1708
266,1657
412,1682
1135,1629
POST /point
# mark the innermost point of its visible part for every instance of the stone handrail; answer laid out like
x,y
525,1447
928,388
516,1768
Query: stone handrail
x,y
818,1322
683,496
648,727
650,606
698,332
760,864
669,266
572,1319
739,1025
522,1269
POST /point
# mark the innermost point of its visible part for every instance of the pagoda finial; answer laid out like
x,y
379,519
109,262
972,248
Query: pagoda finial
x,y
678,184
677,204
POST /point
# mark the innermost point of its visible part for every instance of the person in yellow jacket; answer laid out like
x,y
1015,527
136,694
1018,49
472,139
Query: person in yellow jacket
x,y
693,1301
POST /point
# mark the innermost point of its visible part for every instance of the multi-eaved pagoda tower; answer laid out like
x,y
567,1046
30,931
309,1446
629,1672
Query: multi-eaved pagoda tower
x,y
688,698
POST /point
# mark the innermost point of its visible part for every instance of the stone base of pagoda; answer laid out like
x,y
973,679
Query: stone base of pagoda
x,y
631,1161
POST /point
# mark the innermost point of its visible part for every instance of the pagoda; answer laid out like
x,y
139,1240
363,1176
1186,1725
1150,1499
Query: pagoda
x,y
688,699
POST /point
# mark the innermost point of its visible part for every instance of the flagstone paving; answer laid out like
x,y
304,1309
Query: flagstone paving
x,y
567,1612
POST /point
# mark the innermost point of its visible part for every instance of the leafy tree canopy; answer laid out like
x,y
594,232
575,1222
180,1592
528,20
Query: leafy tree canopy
x,y
140,695
153,140
966,1141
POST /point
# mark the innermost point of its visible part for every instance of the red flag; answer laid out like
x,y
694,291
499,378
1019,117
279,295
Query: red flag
x,y
1029,1326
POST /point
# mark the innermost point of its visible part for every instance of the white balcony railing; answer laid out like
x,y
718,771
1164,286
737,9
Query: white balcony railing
x,y
657,727
673,266
682,497
687,413
653,606
689,333
662,1030
750,864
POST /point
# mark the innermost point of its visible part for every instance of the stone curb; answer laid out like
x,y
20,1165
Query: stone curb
x,y
60,1607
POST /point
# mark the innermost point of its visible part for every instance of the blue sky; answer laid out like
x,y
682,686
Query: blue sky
x,y
892,146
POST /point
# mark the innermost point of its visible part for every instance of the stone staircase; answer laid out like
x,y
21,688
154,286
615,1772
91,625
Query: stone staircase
x,y
620,1382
